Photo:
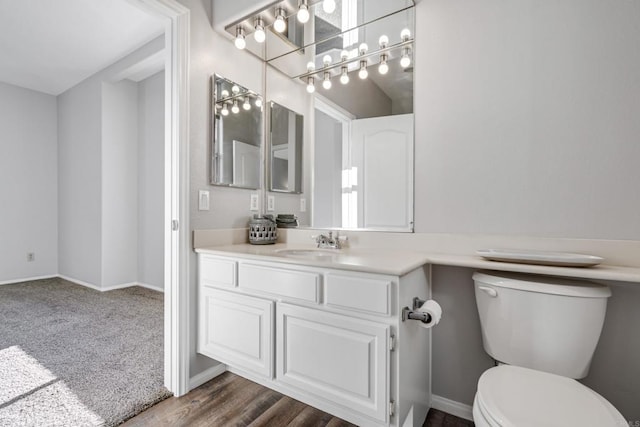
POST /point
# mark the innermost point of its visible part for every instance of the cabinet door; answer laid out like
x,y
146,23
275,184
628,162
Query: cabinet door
x,y
337,358
236,330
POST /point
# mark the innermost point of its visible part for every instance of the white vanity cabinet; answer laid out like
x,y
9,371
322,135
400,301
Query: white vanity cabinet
x,y
331,338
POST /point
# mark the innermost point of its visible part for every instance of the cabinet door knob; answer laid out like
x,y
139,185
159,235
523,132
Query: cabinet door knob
x,y
489,291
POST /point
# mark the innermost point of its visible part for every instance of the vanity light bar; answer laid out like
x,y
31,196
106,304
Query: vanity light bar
x,y
357,59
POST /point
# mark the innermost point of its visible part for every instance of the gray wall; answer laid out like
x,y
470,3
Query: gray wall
x,y
150,181
28,183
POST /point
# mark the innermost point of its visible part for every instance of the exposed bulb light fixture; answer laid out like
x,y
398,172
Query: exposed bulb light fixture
x,y
311,66
235,89
258,102
303,12
383,41
311,87
280,24
344,74
246,105
259,35
240,41
383,68
235,109
363,73
225,110
344,55
326,60
329,6
405,60
363,48
326,81
224,93
405,34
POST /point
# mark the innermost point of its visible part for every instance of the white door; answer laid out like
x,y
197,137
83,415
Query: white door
x,y
236,330
337,358
382,158
246,165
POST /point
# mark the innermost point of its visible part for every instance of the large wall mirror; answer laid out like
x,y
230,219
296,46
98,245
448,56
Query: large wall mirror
x,y
237,135
285,149
360,77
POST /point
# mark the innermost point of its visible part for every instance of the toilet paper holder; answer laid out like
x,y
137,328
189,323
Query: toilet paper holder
x,y
412,314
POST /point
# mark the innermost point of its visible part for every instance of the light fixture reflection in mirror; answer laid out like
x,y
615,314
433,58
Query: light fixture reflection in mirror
x,y
236,159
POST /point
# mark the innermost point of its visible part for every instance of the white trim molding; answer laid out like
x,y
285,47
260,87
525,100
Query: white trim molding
x,y
207,375
176,184
452,407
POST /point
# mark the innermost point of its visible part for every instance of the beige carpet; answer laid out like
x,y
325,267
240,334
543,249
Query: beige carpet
x,y
72,356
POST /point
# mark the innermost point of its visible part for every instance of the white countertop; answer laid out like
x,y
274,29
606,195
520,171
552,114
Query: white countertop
x,y
393,262
399,262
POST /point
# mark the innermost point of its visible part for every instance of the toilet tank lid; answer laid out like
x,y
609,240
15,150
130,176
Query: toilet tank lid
x,y
543,284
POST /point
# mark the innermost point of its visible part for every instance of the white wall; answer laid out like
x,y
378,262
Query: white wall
x,y
327,163
28,183
151,181
119,191
526,118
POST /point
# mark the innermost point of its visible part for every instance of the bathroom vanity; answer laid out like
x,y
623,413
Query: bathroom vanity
x,y
322,327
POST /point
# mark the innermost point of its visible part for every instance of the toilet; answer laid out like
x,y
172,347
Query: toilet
x,y
542,332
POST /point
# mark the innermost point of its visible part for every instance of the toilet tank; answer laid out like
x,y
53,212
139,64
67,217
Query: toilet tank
x,y
539,322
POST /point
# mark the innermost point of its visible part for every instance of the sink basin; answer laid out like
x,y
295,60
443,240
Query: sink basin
x,y
308,253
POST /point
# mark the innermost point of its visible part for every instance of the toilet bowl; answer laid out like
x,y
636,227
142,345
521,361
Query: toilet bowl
x,y
544,330
521,397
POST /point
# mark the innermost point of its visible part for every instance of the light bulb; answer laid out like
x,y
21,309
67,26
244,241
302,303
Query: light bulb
x,y
344,55
363,73
326,60
246,104
310,86
258,102
405,34
383,41
303,12
405,60
259,35
224,93
329,6
326,82
280,24
363,48
311,66
235,109
235,89
344,75
240,42
383,68
225,110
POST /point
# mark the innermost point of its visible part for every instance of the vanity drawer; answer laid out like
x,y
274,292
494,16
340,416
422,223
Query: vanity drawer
x,y
214,271
301,285
364,294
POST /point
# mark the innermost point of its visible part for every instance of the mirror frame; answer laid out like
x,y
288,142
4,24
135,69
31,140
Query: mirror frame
x,y
214,132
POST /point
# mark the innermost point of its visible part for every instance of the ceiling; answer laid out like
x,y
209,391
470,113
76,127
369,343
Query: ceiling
x,y
50,46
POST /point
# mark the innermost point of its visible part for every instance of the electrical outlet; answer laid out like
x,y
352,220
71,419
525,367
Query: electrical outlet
x,y
31,256
303,205
203,200
271,203
253,206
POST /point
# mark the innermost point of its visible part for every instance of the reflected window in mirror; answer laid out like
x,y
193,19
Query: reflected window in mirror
x,y
237,135
285,149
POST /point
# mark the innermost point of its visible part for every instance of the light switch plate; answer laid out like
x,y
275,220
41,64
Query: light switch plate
x,y
303,205
253,206
271,203
203,200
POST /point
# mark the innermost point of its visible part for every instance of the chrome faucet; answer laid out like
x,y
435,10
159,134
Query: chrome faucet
x,y
330,242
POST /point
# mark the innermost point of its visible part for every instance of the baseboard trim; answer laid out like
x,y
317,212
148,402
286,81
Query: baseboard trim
x,y
206,375
108,288
27,279
152,287
452,407
80,282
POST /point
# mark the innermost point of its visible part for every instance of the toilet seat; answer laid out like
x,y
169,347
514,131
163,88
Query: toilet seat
x,y
514,396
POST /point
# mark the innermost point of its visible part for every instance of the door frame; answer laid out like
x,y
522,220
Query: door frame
x,y
176,191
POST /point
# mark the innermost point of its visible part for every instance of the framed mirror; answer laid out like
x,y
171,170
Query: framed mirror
x,y
236,159
286,129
